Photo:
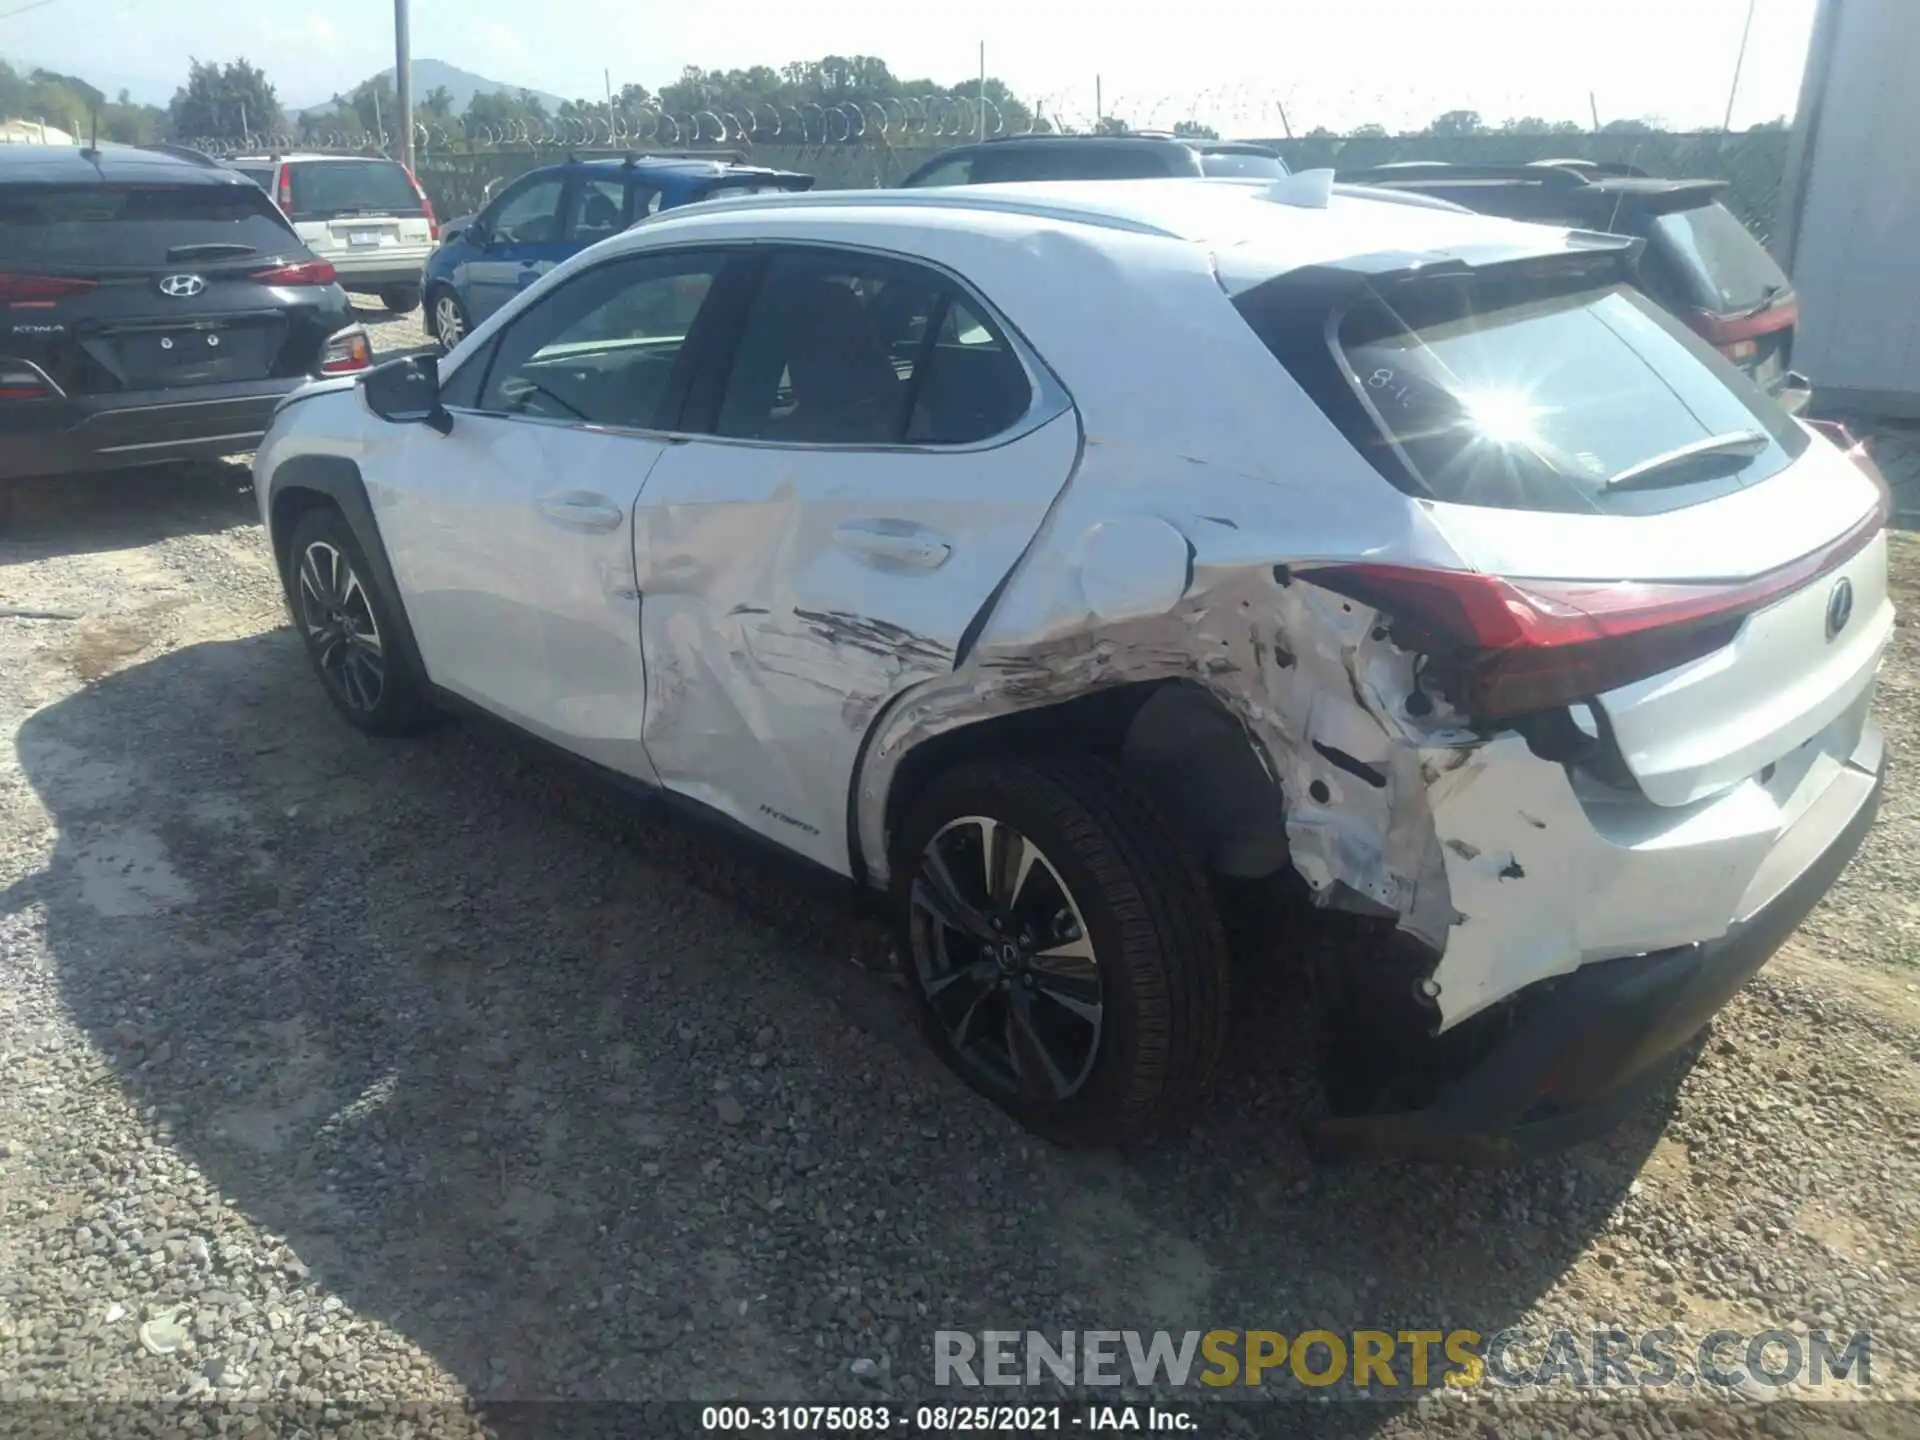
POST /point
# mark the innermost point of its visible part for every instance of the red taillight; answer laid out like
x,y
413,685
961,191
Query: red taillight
x,y
41,287
305,272
426,206
1738,337
346,353
283,190
1507,647
17,383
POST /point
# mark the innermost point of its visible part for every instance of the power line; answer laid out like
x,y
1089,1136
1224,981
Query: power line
x,y
36,5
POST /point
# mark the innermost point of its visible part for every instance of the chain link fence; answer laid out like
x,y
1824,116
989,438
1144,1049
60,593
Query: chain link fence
x,y
873,144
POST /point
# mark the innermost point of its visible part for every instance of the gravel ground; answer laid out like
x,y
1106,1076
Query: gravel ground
x,y
334,1070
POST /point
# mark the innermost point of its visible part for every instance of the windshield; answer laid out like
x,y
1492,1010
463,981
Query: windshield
x,y
324,189
1727,270
1240,163
134,225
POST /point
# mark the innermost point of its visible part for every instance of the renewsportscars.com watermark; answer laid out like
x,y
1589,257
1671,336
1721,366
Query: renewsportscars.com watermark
x,y
1385,1361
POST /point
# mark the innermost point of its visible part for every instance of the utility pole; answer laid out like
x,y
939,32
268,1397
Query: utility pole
x,y
403,80
983,90
613,130
1739,61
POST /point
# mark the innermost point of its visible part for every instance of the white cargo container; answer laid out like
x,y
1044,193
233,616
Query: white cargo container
x,y
1850,208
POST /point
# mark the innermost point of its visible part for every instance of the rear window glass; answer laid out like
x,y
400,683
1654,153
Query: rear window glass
x,y
329,188
745,187
1228,162
259,176
1489,392
1018,162
115,225
1725,267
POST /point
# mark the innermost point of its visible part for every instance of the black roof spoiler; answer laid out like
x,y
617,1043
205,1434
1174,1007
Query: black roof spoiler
x,y
1574,252
182,152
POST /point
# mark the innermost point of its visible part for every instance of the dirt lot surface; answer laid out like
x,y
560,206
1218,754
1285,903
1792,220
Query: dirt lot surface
x,y
353,1071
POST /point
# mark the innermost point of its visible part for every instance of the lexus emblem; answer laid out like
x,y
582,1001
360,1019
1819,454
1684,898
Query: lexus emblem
x,y
181,287
1839,608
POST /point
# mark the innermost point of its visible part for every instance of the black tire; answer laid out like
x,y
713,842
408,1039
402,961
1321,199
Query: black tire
x,y
401,299
335,611
1158,950
446,309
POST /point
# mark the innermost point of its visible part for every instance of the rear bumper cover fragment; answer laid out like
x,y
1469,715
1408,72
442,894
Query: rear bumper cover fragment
x,y
1592,1050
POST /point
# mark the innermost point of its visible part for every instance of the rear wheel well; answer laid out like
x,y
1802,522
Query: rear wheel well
x,y
1186,749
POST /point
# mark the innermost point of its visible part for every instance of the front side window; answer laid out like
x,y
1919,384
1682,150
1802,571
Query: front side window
x,y
530,216
856,350
605,348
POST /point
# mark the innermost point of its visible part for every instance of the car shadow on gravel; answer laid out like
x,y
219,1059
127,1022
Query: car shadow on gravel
x,y
81,514
582,1101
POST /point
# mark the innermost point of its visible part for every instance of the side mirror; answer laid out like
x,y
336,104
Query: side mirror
x,y
477,234
406,391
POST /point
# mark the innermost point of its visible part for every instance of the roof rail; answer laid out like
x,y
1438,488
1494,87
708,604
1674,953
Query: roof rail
x,y
1077,135
1411,171
632,157
181,152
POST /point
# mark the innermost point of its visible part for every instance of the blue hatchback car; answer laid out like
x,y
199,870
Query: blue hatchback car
x,y
551,214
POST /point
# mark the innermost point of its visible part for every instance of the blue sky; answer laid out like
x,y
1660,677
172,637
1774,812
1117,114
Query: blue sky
x,y
1329,62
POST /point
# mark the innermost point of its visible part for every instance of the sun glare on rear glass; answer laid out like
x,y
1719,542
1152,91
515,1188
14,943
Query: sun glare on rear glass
x,y
1502,417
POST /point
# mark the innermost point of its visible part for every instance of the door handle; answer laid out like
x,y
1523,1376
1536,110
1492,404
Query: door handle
x,y
898,541
583,512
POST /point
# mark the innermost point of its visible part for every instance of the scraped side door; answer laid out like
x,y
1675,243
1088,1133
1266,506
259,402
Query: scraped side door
x,y
875,456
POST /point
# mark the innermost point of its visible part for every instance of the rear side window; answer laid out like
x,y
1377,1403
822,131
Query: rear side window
x,y
1241,164
856,350
327,189
1495,392
135,225
1719,261
261,177
957,171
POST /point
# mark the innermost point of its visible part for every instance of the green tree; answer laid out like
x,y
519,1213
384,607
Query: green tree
x,y
1457,122
224,102
1629,127
1369,131
1194,130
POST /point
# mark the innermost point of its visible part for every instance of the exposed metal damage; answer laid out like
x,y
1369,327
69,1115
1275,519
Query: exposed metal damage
x,y
1366,762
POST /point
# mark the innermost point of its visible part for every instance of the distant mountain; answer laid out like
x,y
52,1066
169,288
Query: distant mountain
x,y
428,75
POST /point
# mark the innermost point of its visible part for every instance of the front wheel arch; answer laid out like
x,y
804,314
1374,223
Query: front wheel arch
x,y
307,482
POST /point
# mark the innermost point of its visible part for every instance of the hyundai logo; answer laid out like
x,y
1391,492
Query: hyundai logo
x,y
1839,608
181,287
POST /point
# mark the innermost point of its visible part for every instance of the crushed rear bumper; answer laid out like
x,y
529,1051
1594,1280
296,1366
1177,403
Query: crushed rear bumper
x,y
1585,1049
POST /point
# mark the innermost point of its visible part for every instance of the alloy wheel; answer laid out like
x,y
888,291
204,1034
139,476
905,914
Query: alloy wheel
x,y
340,625
1003,956
448,323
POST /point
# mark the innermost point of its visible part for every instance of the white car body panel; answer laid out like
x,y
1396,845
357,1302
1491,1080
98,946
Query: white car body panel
x,y
1501,861
793,591
513,543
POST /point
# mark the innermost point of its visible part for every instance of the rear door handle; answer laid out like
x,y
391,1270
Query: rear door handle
x,y
900,542
576,511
